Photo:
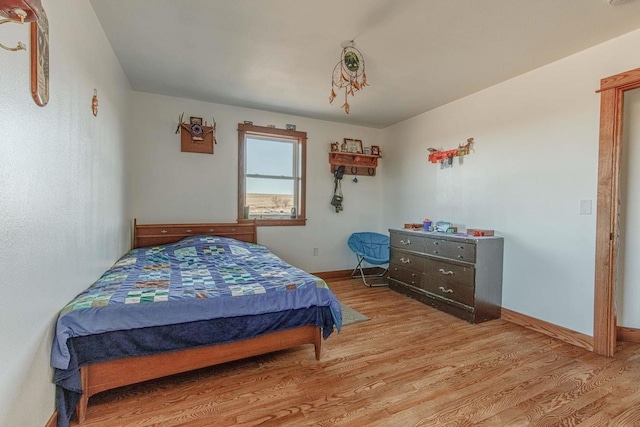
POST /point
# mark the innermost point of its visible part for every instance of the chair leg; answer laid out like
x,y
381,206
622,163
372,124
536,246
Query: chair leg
x,y
363,276
358,267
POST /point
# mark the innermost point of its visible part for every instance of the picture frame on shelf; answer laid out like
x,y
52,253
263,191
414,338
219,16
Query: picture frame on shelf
x,y
367,150
335,146
375,150
353,145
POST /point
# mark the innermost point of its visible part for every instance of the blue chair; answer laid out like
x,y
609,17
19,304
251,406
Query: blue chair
x,y
372,248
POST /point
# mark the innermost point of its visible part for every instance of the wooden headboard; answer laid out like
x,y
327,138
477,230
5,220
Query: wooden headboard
x,y
159,234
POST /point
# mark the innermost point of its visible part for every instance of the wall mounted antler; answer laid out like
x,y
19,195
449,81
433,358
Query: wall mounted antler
x,y
180,123
197,137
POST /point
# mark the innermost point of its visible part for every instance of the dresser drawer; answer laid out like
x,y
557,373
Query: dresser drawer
x,y
404,275
407,260
449,290
449,273
450,249
407,242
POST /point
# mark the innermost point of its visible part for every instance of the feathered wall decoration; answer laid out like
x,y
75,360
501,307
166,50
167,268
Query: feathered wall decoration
x,y
348,74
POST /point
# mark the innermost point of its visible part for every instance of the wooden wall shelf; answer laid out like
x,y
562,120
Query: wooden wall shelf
x,y
354,163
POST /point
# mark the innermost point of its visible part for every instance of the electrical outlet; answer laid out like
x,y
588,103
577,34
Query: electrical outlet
x,y
315,251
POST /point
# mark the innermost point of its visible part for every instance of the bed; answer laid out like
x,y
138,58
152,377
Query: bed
x,y
187,296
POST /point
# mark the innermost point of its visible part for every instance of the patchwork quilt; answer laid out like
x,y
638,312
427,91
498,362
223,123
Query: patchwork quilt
x,y
197,278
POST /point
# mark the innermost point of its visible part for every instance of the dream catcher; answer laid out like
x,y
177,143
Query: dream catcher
x,y
348,73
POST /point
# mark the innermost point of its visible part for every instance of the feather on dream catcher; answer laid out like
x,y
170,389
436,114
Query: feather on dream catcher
x,y
348,74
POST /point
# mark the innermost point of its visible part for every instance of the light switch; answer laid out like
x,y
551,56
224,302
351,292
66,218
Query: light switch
x,y
585,207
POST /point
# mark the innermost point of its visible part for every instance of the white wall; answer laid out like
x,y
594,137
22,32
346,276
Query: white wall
x,y
172,186
628,287
535,158
63,215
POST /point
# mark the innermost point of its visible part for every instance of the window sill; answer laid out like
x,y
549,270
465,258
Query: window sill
x,y
275,222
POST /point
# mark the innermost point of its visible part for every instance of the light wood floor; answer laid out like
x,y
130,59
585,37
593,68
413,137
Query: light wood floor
x,y
409,365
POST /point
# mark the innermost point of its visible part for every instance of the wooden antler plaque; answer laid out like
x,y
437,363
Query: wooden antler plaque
x,y
203,144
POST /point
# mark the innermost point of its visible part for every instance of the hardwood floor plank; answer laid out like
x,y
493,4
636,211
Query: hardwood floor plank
x,y
410,364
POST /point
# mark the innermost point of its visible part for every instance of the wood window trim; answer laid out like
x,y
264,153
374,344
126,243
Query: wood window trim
x,y
611,91
274,222
243,129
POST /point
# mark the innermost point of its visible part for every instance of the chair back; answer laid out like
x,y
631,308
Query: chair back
x,y
374,247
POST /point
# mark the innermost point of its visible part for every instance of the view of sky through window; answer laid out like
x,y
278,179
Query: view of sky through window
x,y
271,158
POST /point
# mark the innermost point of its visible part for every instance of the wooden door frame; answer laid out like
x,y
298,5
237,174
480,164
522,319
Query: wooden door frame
x,y
611,91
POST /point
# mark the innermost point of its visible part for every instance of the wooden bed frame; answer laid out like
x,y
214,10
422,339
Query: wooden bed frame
x,y
101,376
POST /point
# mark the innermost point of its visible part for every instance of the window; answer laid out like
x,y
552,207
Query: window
x,y
271,175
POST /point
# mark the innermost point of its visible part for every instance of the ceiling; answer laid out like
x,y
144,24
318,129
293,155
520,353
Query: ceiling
x,y
279,55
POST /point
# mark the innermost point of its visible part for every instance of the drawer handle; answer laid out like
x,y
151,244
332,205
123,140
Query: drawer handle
x,y
445,290
446,273
436,252
405,260
163,231
211,230
405,242
460,256
460,247
436,243
188,231
395,269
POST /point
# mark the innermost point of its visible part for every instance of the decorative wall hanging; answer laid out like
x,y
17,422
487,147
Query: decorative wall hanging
x,y
346,73
196,137
94,103
336,200
19,12
446,157
195,126
40,59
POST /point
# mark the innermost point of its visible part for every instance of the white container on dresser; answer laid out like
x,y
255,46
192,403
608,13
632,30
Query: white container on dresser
x,y
455,273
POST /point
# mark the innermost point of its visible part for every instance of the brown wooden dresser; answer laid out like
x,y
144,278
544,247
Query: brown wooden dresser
x,y
458,274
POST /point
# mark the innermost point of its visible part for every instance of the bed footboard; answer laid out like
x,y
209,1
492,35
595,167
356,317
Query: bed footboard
x,y
102,376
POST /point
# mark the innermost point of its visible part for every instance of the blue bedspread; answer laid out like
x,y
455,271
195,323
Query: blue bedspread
x,y
197,278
